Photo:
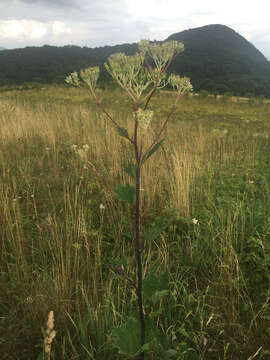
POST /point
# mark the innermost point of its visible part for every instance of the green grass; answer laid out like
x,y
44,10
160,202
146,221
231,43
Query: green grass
x,y
56,241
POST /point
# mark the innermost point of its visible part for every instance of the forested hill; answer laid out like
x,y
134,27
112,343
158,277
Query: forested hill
x,y
51,64
216,58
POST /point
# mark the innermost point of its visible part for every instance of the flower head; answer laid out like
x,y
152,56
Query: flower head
x,y
101,207
180,84
73,79
90,76
143,117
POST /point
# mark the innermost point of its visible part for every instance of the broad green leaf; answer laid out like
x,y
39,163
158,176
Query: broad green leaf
x,y
125,193
154,149
154,284
130,169
157,342
127,338
153,232
122,131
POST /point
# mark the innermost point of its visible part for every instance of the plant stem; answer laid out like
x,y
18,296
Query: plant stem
x,y
139,258
138,250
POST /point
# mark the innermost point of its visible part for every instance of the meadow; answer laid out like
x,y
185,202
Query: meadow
x,y
60,223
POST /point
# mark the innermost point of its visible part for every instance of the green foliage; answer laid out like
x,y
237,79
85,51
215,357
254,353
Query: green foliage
x,y
127,338
155,286
151,233
56,237
125,193
122,131
154,149
130,169
217,60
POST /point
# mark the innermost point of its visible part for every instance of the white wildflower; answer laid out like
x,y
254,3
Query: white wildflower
x,y
29,300
101,207
143,117
180,84
85,147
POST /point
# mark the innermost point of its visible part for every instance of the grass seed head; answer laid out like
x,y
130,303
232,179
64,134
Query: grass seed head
x,y
51,333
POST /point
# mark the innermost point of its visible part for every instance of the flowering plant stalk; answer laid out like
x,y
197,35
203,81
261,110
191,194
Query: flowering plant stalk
x,y
140,76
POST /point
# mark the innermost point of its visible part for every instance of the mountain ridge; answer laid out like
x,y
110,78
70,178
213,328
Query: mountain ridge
x,y
218,54
216,58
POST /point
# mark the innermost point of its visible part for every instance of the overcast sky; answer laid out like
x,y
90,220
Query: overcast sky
x,y
95,23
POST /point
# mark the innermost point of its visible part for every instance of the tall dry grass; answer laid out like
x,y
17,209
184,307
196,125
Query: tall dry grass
x,y
55,237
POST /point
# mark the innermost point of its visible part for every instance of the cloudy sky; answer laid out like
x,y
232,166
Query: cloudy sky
x,y
95,23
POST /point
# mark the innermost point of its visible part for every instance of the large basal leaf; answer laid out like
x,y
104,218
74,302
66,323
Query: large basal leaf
x,y
125,193
157,343
127,338
155,286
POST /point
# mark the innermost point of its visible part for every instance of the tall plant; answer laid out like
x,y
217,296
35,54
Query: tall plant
x,y
140,76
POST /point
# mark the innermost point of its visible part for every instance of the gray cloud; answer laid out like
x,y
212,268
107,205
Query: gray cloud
x,y
50,2
109,22
53,3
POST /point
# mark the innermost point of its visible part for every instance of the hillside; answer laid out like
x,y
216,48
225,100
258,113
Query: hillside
x,y
216,58
51,64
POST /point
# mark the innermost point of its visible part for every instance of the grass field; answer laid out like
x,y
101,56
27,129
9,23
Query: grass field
x,y
60,222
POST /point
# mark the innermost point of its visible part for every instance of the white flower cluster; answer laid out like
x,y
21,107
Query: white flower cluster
x,y
161,53
180,84
129,73
143,117
73,79
89,76
82,152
